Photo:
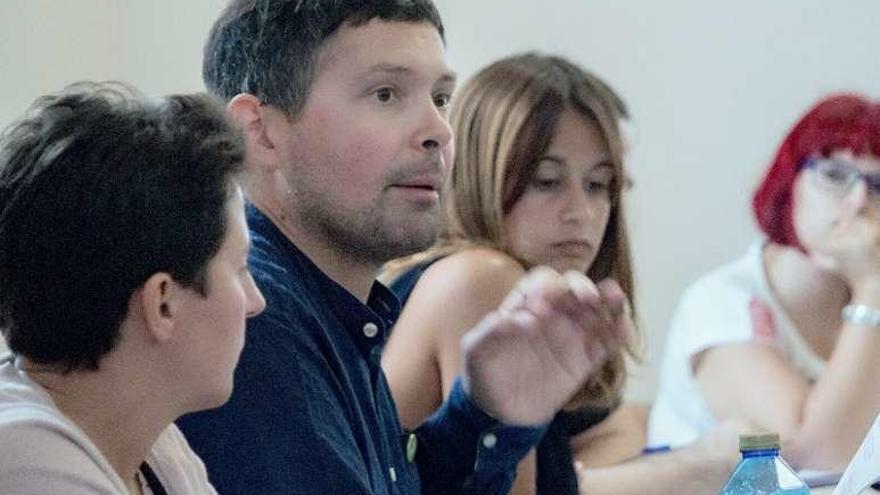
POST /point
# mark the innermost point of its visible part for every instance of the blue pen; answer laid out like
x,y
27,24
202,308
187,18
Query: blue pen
x,y
656,449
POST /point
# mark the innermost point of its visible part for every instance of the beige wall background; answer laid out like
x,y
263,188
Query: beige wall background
x,y
712,87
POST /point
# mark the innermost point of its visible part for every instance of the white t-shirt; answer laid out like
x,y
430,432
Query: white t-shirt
x,y
732,304
43,452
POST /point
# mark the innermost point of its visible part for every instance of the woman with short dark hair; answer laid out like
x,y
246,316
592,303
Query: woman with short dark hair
x,y
124,289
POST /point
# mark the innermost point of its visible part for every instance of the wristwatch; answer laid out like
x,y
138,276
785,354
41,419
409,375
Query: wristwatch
x,y
861,314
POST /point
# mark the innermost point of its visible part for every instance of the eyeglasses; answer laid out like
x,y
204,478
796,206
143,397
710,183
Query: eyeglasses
x,y
840,176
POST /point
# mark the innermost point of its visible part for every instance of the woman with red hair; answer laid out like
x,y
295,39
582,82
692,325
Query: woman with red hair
x,y
789,335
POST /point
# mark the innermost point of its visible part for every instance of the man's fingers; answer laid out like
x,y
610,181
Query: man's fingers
x,y
613,297
596,352
617,301
543,290
594,312
530,289
582,287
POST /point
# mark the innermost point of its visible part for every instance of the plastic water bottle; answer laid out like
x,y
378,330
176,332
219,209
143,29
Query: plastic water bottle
x,y
761,471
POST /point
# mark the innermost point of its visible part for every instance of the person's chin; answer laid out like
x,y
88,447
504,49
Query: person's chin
x,y
417,220
218,397
219,392
419,241
570,263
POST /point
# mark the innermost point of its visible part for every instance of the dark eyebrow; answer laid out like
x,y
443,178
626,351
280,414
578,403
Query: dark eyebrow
x,y
552,158
448,77
561,161
604,164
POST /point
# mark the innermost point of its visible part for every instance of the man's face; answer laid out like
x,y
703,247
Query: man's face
x,y
365,159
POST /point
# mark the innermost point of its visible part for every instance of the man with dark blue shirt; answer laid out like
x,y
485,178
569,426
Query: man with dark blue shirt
x,y
343,105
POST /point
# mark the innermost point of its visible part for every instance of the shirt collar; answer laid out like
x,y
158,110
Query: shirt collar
x,y
368,324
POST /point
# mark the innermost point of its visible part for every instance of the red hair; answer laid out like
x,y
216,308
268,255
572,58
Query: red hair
x,y
838,122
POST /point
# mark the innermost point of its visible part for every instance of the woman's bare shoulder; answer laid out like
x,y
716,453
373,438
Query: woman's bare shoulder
x,y
475,269
456,292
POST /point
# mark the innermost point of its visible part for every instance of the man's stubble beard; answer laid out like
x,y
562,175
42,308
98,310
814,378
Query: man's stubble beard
x,y
372,236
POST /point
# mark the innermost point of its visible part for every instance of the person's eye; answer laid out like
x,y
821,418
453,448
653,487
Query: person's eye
x,y
546,183
873,184
837,173
598,187
441,100
385,94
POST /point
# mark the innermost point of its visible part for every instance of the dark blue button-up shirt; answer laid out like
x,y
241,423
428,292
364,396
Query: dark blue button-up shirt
x,y
311,411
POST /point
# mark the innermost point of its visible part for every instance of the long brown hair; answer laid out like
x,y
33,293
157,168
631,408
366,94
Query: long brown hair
x,y
503,120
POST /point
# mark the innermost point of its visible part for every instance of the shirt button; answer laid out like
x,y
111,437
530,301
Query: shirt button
x,y
371,330
412,446
489,440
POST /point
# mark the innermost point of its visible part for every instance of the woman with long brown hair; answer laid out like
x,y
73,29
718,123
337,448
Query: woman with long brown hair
x,y
537,181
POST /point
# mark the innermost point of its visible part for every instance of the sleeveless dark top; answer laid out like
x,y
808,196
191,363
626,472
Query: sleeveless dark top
x,y
555,469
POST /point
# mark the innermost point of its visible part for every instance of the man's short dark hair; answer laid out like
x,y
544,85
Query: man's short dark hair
x,y
268,48
99,190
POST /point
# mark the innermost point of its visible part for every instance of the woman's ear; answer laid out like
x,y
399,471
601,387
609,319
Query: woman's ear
x,y
159,305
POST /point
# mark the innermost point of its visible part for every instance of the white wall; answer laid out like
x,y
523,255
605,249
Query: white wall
x,y
47,44
712,87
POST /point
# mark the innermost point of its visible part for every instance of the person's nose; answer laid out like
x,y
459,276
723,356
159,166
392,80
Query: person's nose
x,y
857,197
256,303
577,208
434,133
